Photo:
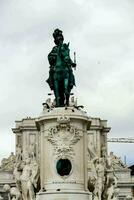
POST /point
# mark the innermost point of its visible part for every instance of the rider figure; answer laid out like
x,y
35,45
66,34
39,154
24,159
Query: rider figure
x,y
60,66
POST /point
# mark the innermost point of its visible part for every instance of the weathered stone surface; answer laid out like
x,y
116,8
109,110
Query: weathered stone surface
x,y
63,138
68,150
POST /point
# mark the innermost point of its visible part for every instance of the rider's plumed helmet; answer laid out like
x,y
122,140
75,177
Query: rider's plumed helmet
x,y
58,36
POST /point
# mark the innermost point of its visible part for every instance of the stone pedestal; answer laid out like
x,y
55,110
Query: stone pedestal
x,y
64,195
63,154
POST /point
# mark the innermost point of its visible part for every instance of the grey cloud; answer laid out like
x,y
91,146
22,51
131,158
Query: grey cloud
x,y
101,33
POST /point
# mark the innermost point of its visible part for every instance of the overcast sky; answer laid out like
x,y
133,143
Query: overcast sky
x,y
102,34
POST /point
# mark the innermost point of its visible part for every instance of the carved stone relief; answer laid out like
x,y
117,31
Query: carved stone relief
x,y
63,137
7,164
19,140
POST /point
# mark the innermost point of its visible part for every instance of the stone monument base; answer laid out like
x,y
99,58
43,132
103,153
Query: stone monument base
x,y
64,195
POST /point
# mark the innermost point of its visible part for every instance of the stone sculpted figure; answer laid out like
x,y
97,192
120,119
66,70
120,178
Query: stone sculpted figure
x,y
18,153
14,192
17,174
48,105
128,197
32,150
110,186
35,172
102,180
91,151
99,185
92,173
61,78
73,102
116,161
1,198
7,164
27,182
112,189
12,157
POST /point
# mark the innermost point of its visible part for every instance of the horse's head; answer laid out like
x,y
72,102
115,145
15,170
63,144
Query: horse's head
x,y
65,53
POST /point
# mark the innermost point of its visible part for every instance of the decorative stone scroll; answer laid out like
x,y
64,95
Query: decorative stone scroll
x,y
63,137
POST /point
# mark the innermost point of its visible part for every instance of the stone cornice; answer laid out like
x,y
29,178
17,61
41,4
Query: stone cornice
x,y
24,128
101,128
125,184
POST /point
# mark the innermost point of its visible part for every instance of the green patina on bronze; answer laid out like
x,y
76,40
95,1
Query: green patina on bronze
x,y
61,78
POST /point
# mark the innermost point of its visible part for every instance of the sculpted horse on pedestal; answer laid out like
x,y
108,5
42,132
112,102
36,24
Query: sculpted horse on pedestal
x,y
61,78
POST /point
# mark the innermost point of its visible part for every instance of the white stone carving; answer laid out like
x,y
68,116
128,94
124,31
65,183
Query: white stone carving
x,y
99,184
32,150
63,137
14,192
26,185
92,173
35,172
129,197
48,105
63,120
102,180
17,174
29,178
7,164
112,189
18,153
26,175
91,151
116,161
1,198
73,102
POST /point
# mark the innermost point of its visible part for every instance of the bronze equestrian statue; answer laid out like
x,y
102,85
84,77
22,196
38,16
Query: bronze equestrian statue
x,y
61,79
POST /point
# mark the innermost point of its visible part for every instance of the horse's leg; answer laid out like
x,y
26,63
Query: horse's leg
x,y
56,92
67,93
61,93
